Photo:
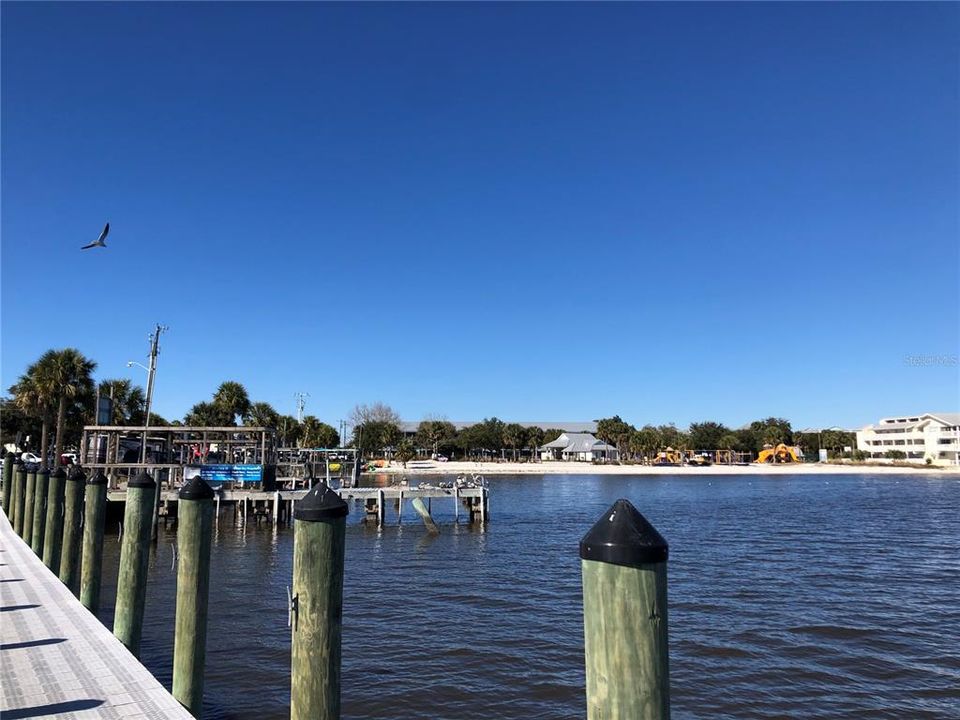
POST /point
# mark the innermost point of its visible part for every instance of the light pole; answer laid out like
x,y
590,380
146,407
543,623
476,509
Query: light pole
x,y
151,374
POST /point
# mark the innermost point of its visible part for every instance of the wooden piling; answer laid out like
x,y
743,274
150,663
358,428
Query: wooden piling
x,y
380,509
155,517
18,495
624,566
95,512
424,512
317,604
30,506
72,516
194,537
7,483
39,511
276,508
456,504
134,557
53,532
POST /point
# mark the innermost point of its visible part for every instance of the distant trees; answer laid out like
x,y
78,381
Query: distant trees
x,y
435,434
60,379
261,414
377,412
318,434
232,399
129,401
614,431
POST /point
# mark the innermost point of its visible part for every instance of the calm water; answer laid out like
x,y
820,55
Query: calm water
x,y
829,597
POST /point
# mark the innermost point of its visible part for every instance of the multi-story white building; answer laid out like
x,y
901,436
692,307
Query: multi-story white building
x,y
929,435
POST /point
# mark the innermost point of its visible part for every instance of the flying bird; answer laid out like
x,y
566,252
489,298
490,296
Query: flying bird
x,y
99,242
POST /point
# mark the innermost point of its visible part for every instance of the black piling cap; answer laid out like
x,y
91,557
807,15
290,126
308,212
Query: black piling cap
x,y
43,471
59,473
76,474
196,489
623,537
143,480
18,461
10,456
98,478
321,503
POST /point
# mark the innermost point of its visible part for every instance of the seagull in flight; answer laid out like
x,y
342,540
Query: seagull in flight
x,y
99,242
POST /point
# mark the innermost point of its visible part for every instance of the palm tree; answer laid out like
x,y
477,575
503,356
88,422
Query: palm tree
x,y
34,397
261,414
69,372
128,401
232,397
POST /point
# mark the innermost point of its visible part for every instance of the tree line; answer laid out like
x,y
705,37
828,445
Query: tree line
x,y
56,396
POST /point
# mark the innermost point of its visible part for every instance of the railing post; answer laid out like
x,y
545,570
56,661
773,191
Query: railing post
x,y
30,506
319,526
18,495
72,514
53,532
7,483
95,511
624,565
194,535
134,559
39,511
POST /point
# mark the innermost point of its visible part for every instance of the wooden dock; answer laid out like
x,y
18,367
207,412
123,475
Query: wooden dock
x,y
278,505
56,658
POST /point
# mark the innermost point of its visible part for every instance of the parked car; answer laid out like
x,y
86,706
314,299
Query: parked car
x,y
31,461
68,458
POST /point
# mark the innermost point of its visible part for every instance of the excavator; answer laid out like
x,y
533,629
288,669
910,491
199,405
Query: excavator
x,y
780,454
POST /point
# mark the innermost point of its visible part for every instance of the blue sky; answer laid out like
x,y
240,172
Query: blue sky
x,y
673,212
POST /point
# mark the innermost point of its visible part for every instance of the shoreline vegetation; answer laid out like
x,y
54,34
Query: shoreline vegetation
x,y
579,468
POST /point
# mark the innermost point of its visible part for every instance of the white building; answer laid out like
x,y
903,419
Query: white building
x,y
580,447
929,435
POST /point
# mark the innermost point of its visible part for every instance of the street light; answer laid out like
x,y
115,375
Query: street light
x,y
131,363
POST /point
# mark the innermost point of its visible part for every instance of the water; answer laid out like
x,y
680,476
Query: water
x,y
790,596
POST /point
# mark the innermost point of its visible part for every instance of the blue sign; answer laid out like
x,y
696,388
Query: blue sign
x,y
217,474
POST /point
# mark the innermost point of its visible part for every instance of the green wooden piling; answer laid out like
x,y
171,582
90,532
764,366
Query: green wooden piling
x,y
95,511
29,506
72,515
194,537
134,558
624,565
17,495
53,532
7,482
39,511
319,523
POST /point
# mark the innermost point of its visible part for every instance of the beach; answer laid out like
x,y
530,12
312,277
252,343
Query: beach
x,y
583,468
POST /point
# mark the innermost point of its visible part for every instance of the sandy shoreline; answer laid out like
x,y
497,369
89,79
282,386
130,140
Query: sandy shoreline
x,y
575,468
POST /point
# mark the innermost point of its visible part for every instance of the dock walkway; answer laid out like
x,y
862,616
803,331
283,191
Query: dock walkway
x,y
56,658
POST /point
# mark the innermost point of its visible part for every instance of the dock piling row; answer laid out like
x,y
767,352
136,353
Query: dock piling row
x,y
30,506
319,528
7,481
72,516
194,538
95,510
624,566
39,511
134,558
18,496
53,532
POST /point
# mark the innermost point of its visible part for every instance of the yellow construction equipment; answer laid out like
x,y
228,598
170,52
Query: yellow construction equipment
x,y
780,454
668,457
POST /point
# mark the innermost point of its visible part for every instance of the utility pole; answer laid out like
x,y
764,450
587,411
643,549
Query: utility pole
x,y
151,374
300,404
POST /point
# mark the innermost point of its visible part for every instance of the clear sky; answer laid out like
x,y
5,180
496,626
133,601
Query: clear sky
x,y
673,212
